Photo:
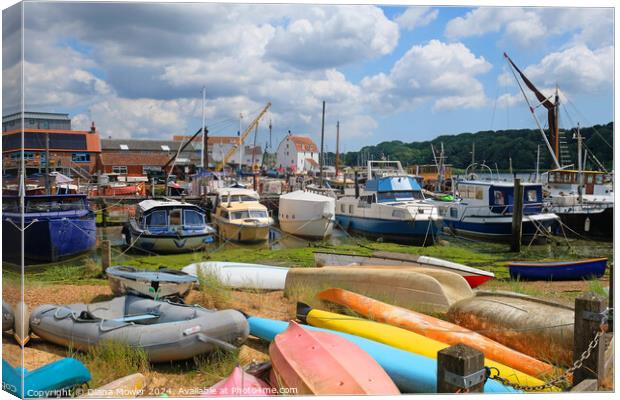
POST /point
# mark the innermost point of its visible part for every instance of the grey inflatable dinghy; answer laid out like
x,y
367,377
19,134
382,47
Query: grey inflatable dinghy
x,y
156,284
166,331
8,317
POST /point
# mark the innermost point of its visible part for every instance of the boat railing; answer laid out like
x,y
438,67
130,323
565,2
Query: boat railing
x,y
494,210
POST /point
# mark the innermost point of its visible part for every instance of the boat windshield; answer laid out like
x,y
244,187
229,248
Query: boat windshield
x,y
248,214
235,198
383,197
10,205
156,218
193,218
46,204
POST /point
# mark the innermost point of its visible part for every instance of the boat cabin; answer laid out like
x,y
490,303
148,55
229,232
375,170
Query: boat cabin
x,y
567,181
392,189
42,204
236,195
498,197
157,215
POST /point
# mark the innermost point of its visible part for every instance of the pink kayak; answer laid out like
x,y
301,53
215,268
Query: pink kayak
x,y
238,384
308,362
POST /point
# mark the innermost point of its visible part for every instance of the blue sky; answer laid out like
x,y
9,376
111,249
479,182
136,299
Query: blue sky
x,y
386,73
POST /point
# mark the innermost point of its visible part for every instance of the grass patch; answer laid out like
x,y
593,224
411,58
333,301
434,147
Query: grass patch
x,y
216,365
111,360
213,293
596,286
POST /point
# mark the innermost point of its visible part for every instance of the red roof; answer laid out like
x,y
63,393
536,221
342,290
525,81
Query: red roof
x,y
303,143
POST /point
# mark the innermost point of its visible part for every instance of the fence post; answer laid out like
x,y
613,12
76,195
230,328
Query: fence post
x,y
517,216
460,368
587,323
106,255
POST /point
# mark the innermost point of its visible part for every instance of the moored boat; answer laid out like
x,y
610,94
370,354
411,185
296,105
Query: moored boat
x,y
536,327
398,338
435,328
157,284
391,207
430,290
484,209
558,270
166,331
55,227
412,373
241,275
168,227
240,217
307,214
474,276
323,363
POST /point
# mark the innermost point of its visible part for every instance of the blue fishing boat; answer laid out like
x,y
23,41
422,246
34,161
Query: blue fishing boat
x,y
558,271
55,227
391,206
52,380
483,209
168,227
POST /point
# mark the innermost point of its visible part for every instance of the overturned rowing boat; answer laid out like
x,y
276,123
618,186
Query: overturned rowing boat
x,y
166,331
157,284
240,275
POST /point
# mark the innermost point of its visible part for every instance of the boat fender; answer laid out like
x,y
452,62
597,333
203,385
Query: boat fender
x,y
586,225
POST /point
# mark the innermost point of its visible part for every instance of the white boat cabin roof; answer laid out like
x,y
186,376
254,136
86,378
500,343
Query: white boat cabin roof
x,y
147,205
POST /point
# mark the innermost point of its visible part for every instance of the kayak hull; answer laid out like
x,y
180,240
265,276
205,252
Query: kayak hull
x,y
559,271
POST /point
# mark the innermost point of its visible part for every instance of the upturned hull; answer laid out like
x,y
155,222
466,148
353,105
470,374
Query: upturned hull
x,y
422,231
49,240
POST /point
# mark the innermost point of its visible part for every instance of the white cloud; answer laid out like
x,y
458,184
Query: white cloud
x,y
439,73
576,70
334,36
415,17
531,26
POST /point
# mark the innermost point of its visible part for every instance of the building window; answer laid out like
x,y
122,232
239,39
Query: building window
x,y
165,147
80,157
150,168
119,169
124,147
28,156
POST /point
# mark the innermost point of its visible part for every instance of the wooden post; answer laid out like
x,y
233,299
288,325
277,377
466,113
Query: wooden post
x,y
587,308
460,368
106,255
104,214
517,216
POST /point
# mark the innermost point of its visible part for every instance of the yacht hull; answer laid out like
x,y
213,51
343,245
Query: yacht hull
x,y
409,232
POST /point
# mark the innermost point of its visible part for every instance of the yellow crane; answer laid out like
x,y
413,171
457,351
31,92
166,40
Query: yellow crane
x,y
220,165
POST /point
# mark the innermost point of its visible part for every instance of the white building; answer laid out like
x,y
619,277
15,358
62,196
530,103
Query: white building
x,y
297,153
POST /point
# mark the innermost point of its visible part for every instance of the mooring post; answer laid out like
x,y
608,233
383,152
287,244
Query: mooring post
x,y
588,315
106,255
517,216
460,369
104,214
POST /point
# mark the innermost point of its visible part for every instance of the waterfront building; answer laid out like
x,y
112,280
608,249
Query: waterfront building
x,y
297,153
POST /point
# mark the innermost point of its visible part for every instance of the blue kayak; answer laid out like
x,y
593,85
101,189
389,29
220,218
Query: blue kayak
x,y
412,373
50,380
558,270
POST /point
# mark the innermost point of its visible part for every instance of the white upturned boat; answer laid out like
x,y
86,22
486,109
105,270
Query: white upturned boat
x,y
307,214
241,275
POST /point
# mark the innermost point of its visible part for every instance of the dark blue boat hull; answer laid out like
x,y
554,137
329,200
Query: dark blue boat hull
x,y
50,239
419,232
563,271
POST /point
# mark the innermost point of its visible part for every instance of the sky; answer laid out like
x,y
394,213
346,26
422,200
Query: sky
x,y
406,73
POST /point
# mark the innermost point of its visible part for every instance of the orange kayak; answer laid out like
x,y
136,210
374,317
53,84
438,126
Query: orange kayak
x,y
309,362
437,329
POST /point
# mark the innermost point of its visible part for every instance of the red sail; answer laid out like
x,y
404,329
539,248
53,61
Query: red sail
x,y
551,107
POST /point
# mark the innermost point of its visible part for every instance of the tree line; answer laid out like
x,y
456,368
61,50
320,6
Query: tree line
x,y
500,148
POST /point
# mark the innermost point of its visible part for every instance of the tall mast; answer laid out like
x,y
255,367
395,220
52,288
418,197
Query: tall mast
x,y
204,150
240,144
579,165
556,133
337,146
321,154
537,163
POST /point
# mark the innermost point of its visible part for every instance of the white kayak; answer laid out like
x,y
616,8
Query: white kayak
x,y
241,275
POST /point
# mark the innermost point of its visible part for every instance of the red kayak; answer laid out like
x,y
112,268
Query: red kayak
x,y
240,383
308,362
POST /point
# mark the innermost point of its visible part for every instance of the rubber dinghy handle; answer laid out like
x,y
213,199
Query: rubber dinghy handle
x,y
218,343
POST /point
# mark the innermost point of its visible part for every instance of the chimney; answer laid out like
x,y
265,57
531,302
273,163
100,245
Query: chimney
x,y
93,129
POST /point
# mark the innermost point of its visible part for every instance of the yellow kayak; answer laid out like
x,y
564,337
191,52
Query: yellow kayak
x,y
401,339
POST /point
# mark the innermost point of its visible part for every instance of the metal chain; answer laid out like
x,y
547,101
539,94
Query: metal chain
x,y
564,377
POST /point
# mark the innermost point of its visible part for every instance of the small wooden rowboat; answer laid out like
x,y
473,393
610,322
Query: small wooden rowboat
x,y
435,328
323,363
558,270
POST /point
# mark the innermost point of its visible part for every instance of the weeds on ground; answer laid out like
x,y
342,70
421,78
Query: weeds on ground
x,y
213,293
216,365
111,360
596,286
